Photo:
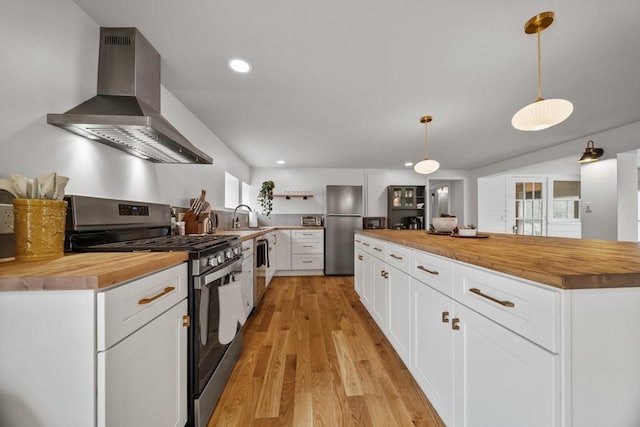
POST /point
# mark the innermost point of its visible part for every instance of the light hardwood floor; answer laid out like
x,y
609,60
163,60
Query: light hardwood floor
x,y
312,356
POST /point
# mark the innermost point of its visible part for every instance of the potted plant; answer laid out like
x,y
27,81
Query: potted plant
x,y
265,197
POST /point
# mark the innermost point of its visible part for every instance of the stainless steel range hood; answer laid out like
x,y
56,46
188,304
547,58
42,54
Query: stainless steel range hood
x,y
125,113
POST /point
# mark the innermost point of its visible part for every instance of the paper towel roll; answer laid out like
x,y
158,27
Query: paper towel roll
x,y
253,219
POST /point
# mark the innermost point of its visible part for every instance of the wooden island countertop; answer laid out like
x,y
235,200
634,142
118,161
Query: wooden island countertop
x,y
559,262
84,270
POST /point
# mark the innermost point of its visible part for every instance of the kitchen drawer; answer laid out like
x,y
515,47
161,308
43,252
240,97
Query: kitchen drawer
x,y
357,242
523,307
247,248
307,262
399,257
307,234
375,247
433,270
307,246
120,311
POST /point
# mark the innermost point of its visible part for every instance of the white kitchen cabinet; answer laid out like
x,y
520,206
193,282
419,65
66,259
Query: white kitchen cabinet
x,y
283,250
432,347
86,358
358,273
380,294
142,380
399,312
500,378
272,238
307,251
248,275
367,280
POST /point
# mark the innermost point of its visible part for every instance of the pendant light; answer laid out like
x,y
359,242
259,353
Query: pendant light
x,y
591,154
542,113
427,165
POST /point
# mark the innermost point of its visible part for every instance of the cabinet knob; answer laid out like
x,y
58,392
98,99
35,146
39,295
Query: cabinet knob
x,y
186,321
360,257
455,324
445,317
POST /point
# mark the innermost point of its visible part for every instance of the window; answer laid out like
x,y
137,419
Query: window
x,y
231,191
246,197
566,200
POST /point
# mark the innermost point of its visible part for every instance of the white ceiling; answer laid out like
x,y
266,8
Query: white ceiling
x,y
344,83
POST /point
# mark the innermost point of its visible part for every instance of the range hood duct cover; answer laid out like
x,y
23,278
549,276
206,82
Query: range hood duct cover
x,y
125,112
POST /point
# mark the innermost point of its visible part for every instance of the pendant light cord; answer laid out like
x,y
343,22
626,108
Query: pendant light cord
x,y
425,140
539,70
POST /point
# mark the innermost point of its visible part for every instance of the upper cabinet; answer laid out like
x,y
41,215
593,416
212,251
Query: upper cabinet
x,y
405,206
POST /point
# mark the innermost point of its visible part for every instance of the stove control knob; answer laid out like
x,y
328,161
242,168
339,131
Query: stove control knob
x,y
213,261
237,250
229,254
220,258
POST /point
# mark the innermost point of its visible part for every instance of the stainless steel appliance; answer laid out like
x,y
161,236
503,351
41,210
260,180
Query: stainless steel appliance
x,y
343,218
215,265
125,114
310,221
374,222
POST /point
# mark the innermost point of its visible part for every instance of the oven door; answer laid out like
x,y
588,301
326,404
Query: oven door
x,y
218,315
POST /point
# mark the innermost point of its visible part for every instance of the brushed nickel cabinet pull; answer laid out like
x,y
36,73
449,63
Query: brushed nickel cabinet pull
x,y
445,317
153,298
307,262
307,246
455,324
358,241
490,298
186,321
246,249
366,244
396,257
377,249
360,257
435,273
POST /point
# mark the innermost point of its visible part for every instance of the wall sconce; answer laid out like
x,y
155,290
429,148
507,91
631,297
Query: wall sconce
x,y
591,154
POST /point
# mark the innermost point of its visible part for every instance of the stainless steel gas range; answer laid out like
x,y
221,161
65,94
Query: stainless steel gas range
x,y
215,268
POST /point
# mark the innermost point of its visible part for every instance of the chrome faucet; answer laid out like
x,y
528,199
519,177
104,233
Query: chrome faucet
x,y
236,220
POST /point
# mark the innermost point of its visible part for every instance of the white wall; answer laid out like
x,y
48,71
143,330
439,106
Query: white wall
x,y
627,206
49,54
599,200
492,204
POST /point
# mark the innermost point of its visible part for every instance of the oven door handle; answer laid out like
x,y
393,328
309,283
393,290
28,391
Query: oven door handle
x,y
206,281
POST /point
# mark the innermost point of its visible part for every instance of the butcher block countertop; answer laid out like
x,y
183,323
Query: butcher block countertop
x,y
560,262
84,271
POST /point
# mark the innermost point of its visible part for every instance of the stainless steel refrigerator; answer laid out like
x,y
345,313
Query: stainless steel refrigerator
x,y
343,217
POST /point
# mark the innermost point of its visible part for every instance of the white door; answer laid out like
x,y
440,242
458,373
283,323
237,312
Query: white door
x,y
500,378
432,347
380,295
526,206
367,279
142,380
399,321
358,270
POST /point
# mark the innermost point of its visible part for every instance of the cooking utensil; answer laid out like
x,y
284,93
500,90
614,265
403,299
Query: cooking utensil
x,y
59,185
46,185
21,185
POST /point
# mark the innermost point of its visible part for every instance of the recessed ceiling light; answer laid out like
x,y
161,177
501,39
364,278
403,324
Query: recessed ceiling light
x,y
407,164
239,65
281,162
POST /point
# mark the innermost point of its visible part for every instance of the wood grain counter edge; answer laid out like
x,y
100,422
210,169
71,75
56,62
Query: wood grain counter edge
x,y
558,262
84,271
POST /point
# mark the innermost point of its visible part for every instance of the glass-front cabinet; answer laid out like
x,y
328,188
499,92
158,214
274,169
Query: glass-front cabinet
x,y
405,206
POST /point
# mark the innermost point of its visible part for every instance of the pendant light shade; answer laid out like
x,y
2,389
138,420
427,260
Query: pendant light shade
x,y
427,165
542,113
591,154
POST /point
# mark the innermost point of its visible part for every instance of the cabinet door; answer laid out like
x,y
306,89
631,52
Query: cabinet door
x,y
501,379
367,280
432,347
142,380
283,250
246,284
380,295
358,271
399,321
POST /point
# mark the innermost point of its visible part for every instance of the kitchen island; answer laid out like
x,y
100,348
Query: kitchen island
x,y
510,330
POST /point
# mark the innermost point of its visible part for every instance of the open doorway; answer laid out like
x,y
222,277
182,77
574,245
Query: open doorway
x,y
445,197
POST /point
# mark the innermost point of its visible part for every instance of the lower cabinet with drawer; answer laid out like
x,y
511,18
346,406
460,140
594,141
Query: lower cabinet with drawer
x,y
479,362
116,357
307,253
